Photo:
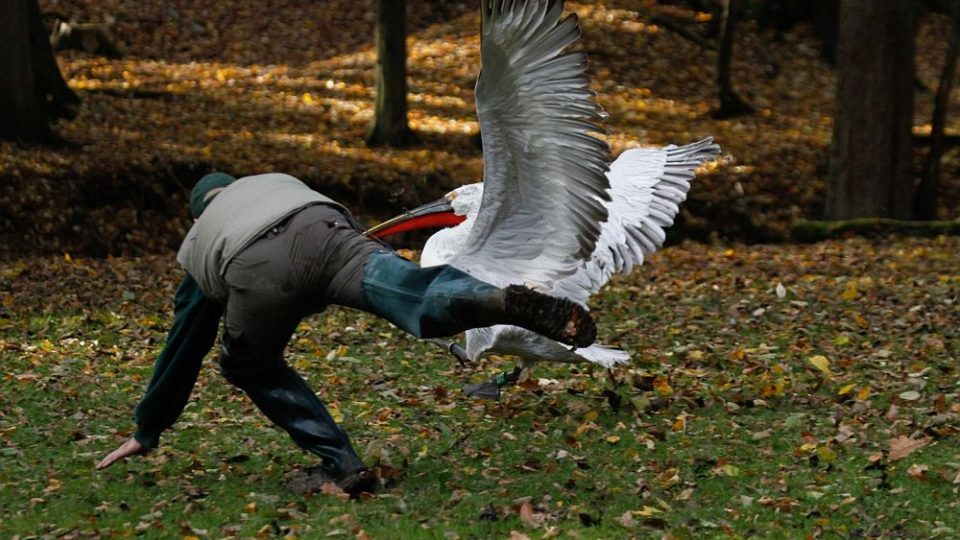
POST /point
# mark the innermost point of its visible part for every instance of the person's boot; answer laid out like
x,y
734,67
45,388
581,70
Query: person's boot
x,y
556,318
359,481
310,480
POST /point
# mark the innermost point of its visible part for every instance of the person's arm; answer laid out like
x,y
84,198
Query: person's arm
x,y
195,324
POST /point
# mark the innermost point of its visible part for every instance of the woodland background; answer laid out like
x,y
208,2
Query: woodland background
x,y
234,87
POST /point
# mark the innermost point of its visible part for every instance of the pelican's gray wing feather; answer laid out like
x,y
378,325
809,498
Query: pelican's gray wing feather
x,y
544,173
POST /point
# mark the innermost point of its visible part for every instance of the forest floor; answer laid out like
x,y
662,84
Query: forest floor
x,y
237,87
776,392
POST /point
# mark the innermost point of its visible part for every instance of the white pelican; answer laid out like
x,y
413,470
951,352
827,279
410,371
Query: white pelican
x,y
552,212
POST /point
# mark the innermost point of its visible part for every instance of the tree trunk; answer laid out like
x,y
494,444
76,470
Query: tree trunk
x,y
731,104
390,115
33,93
826,25
871,159
925,205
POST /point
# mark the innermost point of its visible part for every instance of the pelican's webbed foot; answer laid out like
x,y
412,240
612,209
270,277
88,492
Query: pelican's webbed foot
x,y
491,389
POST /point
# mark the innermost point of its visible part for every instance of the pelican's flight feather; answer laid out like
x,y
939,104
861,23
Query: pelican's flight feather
x,y
545,186
647,186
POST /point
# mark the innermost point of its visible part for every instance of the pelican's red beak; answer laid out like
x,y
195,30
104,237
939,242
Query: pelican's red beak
x,y
435,215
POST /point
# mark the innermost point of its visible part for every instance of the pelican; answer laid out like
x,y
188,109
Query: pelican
x,y
552,212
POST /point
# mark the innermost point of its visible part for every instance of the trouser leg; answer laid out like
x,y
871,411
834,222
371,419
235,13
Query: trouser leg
x,y
286,399
429,302
334,263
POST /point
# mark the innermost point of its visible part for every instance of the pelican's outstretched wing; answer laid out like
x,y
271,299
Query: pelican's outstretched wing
x,y
647,186
544,181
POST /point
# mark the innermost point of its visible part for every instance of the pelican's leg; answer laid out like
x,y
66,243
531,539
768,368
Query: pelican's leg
x,y
491,389
454,348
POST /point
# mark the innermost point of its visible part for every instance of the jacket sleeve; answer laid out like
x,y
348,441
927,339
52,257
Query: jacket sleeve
x,y
195,323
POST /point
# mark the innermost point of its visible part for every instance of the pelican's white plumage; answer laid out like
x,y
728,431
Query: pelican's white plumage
x,y
542,169
647,187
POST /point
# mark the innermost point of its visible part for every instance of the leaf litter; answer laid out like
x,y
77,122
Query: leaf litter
x,y
721,401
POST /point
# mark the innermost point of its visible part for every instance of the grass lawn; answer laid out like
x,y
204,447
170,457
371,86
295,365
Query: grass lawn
x,y
776,392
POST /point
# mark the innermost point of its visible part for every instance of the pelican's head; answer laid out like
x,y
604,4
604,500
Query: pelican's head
x,y
465,200
461,204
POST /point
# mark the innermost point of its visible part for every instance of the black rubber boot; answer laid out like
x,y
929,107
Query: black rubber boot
x,y
286,399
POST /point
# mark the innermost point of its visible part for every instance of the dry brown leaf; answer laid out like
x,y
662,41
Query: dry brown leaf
x,y
329,488
892,413
903,446
531,518
918,471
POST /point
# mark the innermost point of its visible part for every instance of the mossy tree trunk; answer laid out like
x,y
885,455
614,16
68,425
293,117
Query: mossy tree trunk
x,y
871,161
390,126
33,94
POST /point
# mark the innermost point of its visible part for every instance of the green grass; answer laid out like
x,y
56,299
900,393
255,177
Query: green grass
x,y
722,427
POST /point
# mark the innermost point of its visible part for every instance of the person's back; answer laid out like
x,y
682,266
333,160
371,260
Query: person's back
x,y
235,217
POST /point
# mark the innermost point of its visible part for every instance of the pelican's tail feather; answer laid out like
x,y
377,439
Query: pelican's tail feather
x,y
604,356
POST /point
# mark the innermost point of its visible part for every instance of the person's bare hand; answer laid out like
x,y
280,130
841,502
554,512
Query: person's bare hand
x,y
128,448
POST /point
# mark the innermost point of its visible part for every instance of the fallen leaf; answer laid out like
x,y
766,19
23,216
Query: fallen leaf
x,y
822,363
846,389
917,471
826,454
329,488
781,291
531,518
892,413
648,511
902,446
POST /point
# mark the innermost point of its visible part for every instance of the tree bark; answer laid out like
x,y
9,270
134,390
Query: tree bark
x,y
731,104
925,205
871,159
33,93
390,125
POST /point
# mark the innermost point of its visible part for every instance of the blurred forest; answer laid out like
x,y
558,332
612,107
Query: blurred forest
x,y
170,90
